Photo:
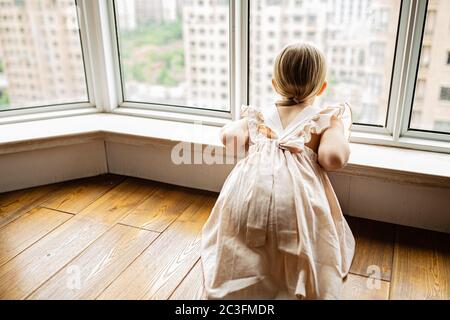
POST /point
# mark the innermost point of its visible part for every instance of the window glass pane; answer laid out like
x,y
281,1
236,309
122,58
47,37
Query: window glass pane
x,y
41,60
431,108
175,52
358,38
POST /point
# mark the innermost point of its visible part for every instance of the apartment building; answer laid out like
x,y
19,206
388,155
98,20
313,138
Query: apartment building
x,y
42,58
3,84
432,97
129,13
356,37
274,24
154,11
206,53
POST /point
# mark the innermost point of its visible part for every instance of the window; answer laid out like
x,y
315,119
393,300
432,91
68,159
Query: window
x,y
346,38
443,126
156,39
420,89
297,18
180,56
312,20
40,70
431,105
445,94
426,56
431,21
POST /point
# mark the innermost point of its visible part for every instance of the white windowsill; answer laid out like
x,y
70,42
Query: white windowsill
x,y
44,114
172,116
366,160
22,133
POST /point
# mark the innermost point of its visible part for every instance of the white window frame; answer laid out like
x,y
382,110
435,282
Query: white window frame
x,y
101,58
177,112
417,34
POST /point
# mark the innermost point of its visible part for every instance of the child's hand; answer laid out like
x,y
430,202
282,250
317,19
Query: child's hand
x,y
234,136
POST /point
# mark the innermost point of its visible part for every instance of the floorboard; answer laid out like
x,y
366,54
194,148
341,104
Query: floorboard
x,y
91,272
159,270
191,288
74,196
362,288
158,211
26,230
33,267
16,203
421,267
374,248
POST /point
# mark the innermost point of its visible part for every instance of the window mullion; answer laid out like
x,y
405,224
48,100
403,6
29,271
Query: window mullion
x,y
241,30
401,67
419,12
103,75
233,59
81,12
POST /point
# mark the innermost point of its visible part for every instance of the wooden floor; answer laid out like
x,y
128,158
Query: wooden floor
x,y
112,237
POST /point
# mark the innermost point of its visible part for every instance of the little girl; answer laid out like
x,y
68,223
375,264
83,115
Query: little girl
x,y
277,230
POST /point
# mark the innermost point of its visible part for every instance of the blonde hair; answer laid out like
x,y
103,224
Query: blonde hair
x,y
299,72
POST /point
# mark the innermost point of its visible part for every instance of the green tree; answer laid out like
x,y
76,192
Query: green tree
x,y
171,67
154,54
164,78
4,98
151,34
137,72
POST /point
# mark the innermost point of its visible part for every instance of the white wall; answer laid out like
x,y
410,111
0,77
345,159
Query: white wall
x,y
409,204
44,166
153,162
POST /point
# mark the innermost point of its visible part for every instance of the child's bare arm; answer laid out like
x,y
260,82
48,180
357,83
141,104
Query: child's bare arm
x,y
334,149
235,135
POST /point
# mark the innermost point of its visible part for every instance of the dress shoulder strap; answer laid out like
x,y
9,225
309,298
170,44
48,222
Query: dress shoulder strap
x,y
315,121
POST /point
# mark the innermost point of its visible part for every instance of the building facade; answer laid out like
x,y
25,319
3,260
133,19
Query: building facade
x,y
41,52
432,96
154,11
356,37
206,53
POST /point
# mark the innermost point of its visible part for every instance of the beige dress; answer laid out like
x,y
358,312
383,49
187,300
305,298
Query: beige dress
x,y
277,230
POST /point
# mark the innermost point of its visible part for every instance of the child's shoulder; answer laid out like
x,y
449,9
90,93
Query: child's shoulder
x,y
341,111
